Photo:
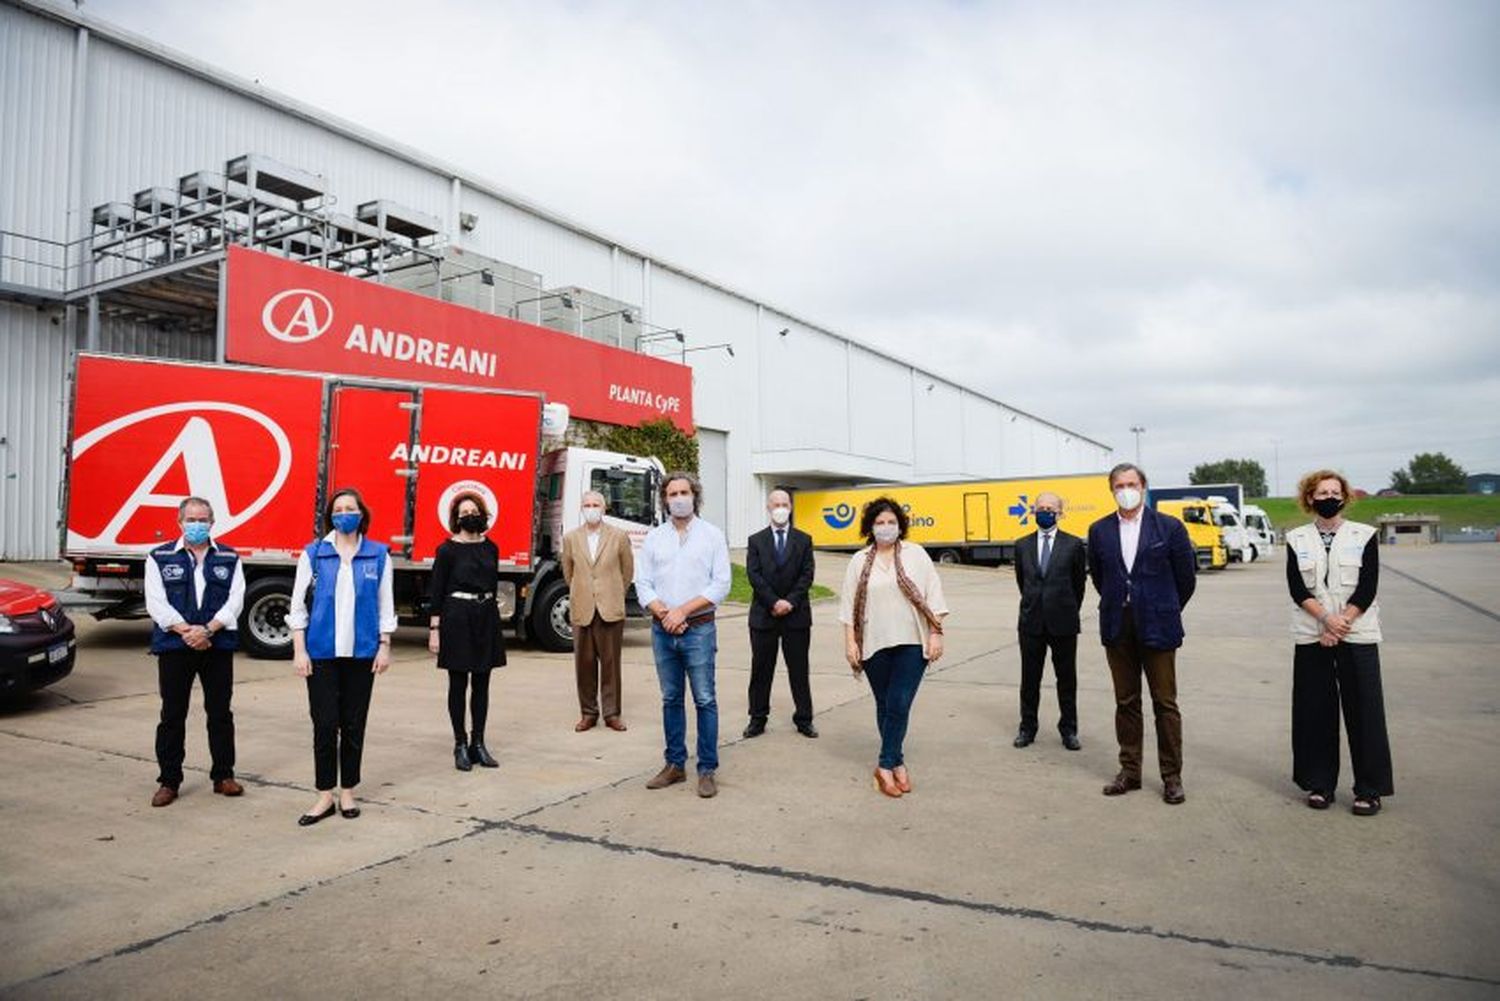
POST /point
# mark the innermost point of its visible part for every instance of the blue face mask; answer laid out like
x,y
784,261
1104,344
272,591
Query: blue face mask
x,y
1046,519
195,532
347,522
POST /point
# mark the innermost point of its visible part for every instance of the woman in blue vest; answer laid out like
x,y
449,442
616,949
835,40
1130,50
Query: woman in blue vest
x,y
341,639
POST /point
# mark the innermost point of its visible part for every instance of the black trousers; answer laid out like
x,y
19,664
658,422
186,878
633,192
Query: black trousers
x,y
1322,679
338,697
175,671
1064,649
794,644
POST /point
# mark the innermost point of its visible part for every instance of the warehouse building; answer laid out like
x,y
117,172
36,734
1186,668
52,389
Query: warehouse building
x,y
107,138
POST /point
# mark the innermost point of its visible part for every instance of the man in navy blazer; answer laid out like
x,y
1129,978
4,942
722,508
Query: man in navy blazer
x,y
1143,567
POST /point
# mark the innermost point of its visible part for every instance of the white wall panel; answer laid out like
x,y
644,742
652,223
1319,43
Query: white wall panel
x,y
121,337
982,441
36,73
938,415
880,411
803,387
515,236
34,368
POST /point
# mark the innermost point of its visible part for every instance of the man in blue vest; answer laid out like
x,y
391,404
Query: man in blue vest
x,y
194,590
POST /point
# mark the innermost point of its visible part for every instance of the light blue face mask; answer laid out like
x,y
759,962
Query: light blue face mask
x,y
195,532
346,522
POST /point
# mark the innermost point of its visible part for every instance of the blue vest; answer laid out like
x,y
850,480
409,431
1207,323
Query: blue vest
x,y
368,566
176,566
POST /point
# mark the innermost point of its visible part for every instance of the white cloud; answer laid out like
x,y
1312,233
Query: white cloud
x,y
1230,223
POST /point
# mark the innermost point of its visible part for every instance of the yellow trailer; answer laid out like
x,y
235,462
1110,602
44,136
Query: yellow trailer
x,y
1202,530
976,521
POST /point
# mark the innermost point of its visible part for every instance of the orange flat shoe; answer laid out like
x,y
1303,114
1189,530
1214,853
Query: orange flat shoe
x,y
902,778
889,788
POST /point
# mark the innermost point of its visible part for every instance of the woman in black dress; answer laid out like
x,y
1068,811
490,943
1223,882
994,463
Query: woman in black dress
x,y
464,630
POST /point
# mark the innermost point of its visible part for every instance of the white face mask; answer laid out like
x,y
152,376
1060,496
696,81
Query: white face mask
x,y
592,515
886,534
680,507
1129,498
781,515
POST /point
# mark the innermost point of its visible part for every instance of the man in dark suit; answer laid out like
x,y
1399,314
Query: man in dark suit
x,y
1143,567
1051,572
779,563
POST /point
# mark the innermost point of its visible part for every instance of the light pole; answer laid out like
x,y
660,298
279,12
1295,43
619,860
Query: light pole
x,y
1137,430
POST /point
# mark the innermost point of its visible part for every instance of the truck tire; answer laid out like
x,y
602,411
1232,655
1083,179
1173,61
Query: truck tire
x,y
952,557
550,623
263,629
1254,554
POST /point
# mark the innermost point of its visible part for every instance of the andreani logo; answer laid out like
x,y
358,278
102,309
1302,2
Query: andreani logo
x,y
839,516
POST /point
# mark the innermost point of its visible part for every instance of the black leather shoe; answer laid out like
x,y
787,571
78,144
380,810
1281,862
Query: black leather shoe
x,y
350,813
309,819
756,728
461,757
1023,738
480,755
1071,742
807,729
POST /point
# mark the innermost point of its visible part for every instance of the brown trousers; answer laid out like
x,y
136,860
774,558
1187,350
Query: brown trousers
x,y
596,661
1128,659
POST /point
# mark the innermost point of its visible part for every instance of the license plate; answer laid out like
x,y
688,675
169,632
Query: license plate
x,y
57,653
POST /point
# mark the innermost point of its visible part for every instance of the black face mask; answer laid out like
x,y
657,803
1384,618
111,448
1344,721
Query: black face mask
x,y
473,523
1327,507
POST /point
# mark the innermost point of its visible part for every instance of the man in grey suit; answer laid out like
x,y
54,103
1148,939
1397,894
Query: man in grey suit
x,y
1052,575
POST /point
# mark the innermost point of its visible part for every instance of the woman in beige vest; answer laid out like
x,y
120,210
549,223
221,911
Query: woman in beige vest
x,y
1332,570
892,610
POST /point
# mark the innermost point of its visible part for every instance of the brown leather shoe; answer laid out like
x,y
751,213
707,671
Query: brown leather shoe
x,y
669,775
228,787
586,723
165,796
887,786
615,723
1121,784
707,787
1172,792
903,779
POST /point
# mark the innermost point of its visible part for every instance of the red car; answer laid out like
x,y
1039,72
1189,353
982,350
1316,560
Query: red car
x,y
36,639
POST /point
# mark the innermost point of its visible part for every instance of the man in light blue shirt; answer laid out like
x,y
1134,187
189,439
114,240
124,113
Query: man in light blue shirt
x,y
681,577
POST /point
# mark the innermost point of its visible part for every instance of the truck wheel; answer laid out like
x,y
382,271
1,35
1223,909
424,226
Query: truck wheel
x,y
550,622
263,629
1254,554
952,557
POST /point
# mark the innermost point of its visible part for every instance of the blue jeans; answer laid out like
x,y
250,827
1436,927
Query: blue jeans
x,y
895,674
681,661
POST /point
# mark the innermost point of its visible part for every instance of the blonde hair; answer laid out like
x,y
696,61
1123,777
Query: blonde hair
x,y
1309,483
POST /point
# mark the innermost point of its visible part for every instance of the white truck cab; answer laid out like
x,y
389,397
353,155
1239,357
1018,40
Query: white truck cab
x,y
1260,530
1237,541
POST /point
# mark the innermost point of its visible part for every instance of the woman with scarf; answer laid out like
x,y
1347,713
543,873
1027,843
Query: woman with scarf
x,y
892,610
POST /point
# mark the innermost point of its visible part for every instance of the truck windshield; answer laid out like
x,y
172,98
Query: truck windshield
x,y
1194,516
627,494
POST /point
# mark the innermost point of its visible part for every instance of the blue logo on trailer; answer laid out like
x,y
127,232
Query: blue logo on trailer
x,y
841,516
1020,509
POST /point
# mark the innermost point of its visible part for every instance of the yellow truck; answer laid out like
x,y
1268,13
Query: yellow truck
x,y
964,522
1203,531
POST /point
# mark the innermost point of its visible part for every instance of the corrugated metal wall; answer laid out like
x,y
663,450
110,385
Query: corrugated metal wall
x,y
146,121
34,367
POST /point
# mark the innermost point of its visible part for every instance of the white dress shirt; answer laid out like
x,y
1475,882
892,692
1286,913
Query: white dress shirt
x,y
161,610
1130,537
593,536
676,569
343,601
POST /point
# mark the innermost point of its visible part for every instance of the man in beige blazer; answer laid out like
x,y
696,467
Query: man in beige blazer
x,y
598,565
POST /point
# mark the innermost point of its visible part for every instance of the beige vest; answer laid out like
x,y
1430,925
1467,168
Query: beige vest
x,y
1331,576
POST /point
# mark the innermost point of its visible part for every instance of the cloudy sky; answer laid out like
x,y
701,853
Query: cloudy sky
x,y
1249,227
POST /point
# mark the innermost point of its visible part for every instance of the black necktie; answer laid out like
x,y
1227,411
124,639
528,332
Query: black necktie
x,y
780,544
1046,551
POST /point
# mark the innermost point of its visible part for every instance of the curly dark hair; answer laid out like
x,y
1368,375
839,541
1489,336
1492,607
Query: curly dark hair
x,y
458,502
875,509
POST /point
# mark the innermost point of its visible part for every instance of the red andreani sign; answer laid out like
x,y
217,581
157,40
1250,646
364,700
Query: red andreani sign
x,y
282,314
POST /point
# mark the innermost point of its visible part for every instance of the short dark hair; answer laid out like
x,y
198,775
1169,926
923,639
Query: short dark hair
x,y
458,502
364,511
877,507
1127,467
692,481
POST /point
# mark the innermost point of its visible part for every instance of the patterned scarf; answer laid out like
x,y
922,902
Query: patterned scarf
x,y
908,590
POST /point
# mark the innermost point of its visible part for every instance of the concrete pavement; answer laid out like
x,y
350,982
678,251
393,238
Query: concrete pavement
x,y
1005,874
